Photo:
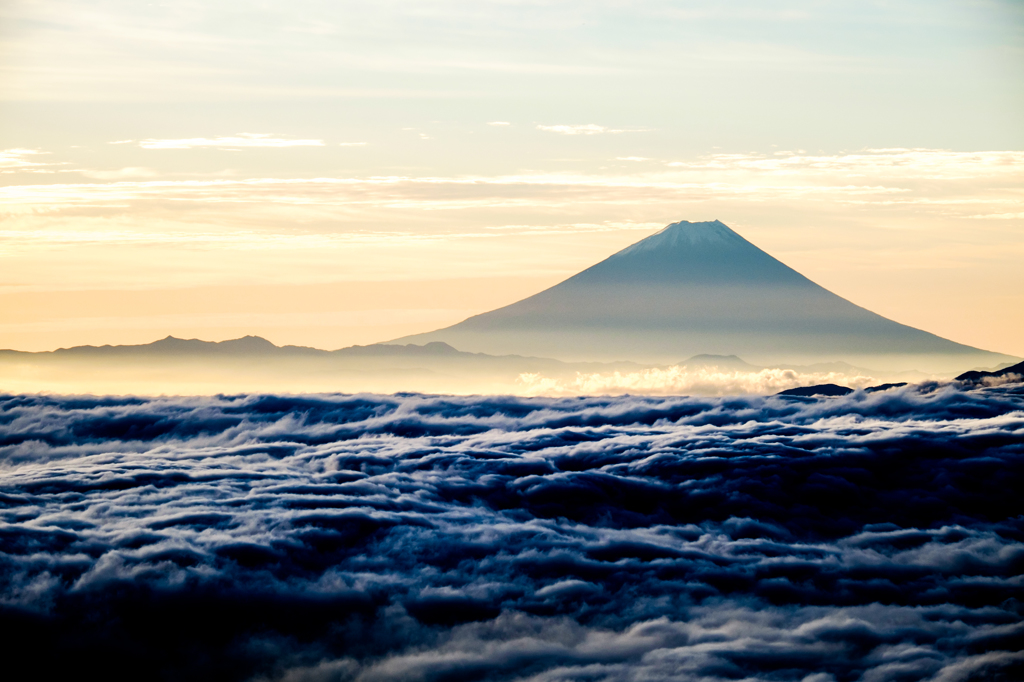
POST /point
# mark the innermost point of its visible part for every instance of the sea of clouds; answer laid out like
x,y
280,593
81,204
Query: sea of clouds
x,y
683,380
873,537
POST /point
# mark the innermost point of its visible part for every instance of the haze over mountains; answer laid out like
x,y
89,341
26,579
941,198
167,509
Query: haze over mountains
x,y
696,288
253,364
693,309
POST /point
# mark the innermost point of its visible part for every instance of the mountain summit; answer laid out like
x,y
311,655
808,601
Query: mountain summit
x,y
697,288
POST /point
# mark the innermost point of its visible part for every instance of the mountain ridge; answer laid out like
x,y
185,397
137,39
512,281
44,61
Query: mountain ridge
x,y
256,347
188,366
240,347
979,376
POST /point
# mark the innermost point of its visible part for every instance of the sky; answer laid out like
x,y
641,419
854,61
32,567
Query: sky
x,y
334,173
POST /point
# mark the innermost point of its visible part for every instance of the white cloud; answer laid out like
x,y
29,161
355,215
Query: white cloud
x,y
240,140
121,142
428,192
998,216
573,228
631,158
940,183
120,173
16,159
588,129
679,379
917,163
21,240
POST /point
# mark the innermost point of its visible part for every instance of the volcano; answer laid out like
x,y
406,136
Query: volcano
x,y
701,288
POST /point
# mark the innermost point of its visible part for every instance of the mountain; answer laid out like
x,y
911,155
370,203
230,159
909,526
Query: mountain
x,y
834,390
724,363
192,366
173,346
245,347
1007,374
827,390
701,288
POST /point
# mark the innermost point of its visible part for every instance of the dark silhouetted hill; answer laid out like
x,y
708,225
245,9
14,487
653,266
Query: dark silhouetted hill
x,y
1013,372
819,390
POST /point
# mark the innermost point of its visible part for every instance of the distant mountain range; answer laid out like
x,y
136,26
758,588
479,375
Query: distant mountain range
x,y
248,346
698,288
182,366
187,366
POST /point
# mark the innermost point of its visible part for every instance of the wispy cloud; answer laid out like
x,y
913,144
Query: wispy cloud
x,y
967,182
16,241
587,129
999,216
933,187
239,140
428,192
120,173
12,160
681,380
917,163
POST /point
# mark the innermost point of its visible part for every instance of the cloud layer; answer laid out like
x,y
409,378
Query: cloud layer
x,y
236,141
679,379
869,537
586,129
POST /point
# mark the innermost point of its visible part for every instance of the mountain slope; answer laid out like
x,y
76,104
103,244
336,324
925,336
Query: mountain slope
x,y
1006,374
697,288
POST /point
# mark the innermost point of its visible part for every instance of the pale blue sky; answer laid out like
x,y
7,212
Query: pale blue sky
x,y
739,76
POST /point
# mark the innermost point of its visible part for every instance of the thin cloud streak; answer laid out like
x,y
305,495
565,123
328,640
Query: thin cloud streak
x,y
682,380
15,241
929,164
461,194
588,129
222,239
240,140
19,160
725,174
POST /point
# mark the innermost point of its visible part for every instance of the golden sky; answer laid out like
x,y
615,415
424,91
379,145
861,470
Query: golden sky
x,y
332,174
